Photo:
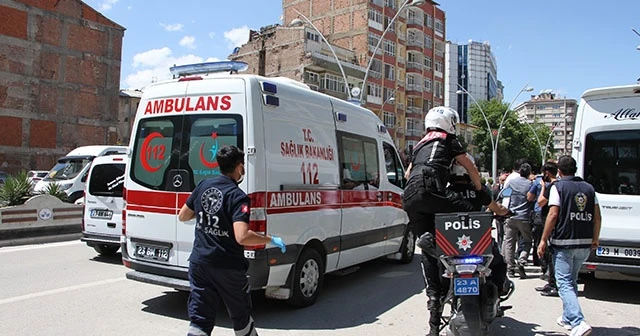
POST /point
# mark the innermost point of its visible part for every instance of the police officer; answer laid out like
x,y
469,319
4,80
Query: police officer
x,y
217,267
573,229
426,192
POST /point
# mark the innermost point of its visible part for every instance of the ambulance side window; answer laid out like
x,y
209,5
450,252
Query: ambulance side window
x,y
395,173
359,161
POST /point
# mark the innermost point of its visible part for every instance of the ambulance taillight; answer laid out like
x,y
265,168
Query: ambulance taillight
x,y
258,224
124,212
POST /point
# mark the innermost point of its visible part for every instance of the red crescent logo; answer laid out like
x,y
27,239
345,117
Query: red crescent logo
x,y
204,161
145,147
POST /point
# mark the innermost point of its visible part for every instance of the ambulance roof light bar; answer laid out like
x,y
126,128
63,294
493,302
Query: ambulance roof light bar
x,y
208,67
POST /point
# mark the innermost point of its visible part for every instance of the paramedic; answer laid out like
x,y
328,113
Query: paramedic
x,y
217,267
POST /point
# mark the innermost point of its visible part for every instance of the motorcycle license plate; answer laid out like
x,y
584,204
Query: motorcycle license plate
x,y
466,286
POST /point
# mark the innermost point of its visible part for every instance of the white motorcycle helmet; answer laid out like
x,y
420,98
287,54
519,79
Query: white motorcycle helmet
x,y
441,117
458,172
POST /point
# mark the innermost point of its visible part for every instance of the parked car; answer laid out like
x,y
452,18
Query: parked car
x,y
36,175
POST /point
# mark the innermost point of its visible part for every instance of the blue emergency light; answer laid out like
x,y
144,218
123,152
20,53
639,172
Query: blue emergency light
x,y
208,67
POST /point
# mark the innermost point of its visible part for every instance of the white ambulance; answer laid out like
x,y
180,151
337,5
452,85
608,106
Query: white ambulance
x,y
306,152
606,147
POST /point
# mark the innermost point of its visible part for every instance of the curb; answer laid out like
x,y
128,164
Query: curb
x,y
40,235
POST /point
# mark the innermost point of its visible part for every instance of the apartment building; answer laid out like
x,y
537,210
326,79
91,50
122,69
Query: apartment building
x,y
406,74
556,113
470,67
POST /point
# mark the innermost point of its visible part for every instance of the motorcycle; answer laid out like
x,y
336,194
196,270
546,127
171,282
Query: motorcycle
x,y
466,249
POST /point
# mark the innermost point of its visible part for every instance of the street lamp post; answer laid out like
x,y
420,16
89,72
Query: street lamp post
x,y
461,91
363,89
298,22
523,119
494,159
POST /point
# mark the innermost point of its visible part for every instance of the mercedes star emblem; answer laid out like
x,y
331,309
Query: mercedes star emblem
x,y
177,181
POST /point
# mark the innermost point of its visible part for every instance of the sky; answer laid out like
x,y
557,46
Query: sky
x,y
567,46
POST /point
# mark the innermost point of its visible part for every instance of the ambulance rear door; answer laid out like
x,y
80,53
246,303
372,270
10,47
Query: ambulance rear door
x,y
221,122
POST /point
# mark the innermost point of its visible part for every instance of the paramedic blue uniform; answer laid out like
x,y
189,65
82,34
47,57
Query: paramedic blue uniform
x,y
217,266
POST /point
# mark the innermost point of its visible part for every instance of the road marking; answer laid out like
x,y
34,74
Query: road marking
x,y
59,290
38,246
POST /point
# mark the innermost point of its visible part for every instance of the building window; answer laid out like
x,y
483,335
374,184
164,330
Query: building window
x,y
311,36
389,93
374,90
390,3
428,42
389,72
427,84
426,105
375,16
439,26
386,24
438,67
429,20
312,77
333,83
372,39
414,18
438,92
389,119
427,63
389,48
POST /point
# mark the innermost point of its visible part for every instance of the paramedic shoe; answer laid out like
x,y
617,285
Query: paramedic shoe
x,y
561,322
582,329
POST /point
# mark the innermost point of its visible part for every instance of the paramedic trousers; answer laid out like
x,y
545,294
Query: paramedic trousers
x,y
209,287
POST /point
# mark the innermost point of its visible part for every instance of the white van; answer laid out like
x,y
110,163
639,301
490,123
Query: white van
x,y
305,154
71,170
607,149
103,204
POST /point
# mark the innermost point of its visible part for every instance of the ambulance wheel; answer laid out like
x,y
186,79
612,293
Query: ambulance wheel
x,y
307,278
106,250
408,247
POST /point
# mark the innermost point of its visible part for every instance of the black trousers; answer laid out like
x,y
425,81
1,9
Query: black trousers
x,y
209,287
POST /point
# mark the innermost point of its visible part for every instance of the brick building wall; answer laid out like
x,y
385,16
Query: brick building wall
x,y
59,81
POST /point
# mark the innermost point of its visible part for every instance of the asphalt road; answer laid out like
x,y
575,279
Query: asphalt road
x,y
66,289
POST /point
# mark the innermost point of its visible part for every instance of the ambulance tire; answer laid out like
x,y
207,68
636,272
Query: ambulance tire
x,y
408,247
106,250
307,278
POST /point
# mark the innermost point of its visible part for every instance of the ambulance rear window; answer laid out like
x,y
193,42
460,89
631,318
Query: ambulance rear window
x,y
612,162
170,145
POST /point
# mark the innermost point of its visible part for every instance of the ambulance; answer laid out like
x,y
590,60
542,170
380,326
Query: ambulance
x,y
321,173
606,148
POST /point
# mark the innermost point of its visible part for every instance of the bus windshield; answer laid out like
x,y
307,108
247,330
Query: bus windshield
x,y
612,161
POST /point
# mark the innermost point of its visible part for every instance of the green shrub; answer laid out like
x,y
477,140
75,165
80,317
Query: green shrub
x,y
16,190
54,189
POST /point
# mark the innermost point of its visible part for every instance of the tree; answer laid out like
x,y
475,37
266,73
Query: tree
x,y
516,140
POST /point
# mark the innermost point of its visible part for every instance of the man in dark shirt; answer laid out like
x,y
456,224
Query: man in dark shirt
x,y
217,267
549,172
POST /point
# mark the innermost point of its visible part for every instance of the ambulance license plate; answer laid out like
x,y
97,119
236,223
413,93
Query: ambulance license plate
x,y
101,214
152,252
466,286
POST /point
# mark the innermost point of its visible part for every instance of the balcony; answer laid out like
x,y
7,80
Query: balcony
x,y
414,87
414,132
414,42
414,65
415,21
